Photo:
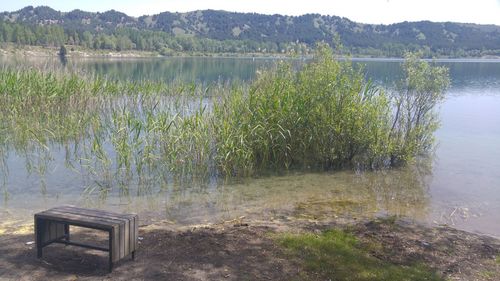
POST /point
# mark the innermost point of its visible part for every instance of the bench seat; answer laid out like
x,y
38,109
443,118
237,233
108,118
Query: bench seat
x,y
52,226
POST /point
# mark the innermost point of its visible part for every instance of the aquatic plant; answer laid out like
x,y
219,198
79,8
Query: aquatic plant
x,y
326,115
322,115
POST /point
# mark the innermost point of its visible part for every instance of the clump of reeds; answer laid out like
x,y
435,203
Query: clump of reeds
x,y
323,115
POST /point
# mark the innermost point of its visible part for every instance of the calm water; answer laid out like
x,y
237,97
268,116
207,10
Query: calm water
x,y
460,187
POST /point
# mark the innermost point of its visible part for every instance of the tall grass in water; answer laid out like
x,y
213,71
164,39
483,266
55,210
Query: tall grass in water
x,y
323,115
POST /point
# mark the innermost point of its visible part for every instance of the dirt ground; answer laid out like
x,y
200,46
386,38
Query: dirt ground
x,y
454,254
245,252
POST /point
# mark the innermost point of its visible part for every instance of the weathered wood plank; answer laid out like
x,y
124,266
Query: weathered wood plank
x,y
38,236
132,235
113,218
121,236
98,213
68,215
80,219
95,225
52,230
116,243
126,238
59,230
136,232
45,231
76,215
79,214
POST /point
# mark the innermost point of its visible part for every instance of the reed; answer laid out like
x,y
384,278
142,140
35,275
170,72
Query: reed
x,y
324,115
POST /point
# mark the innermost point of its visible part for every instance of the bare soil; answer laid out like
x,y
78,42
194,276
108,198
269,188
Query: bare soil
x,y
454,254
246,251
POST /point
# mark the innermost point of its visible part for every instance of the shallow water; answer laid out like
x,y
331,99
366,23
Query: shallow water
x,y
460,187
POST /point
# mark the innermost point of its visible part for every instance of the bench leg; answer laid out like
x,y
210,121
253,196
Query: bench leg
x,y
39,252
110,251
38,237
66,232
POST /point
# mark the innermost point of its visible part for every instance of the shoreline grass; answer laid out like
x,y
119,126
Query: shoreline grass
x,y
338,255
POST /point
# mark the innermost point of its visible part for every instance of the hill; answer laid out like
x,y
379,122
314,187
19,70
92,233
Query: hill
x,y
221,31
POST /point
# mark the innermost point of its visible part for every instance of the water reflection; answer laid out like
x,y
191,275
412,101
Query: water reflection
x,y
466,77
183,69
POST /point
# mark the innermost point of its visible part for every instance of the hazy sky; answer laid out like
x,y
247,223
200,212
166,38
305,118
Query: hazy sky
x,y
366,11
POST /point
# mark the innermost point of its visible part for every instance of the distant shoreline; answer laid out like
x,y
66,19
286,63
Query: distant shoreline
x,y
79,53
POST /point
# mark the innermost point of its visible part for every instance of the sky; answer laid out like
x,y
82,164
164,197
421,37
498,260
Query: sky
x,y
364,11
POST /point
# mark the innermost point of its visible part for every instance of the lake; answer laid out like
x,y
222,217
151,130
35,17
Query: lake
x,y
459,186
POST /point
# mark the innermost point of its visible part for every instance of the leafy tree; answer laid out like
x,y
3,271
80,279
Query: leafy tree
x,y
87,39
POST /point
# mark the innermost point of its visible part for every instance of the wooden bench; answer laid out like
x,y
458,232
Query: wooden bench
x,y
52,226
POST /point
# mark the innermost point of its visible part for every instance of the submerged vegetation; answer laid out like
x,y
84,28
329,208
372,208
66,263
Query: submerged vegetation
x,y
323,115
338,255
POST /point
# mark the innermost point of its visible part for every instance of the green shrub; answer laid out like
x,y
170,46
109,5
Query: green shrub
x,y
324,115
415,118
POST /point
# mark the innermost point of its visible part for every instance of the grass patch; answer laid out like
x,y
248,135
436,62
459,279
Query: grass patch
x,y
337,255
488,274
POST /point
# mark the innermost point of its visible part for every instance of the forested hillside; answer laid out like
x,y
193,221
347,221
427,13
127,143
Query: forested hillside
x,y
212,31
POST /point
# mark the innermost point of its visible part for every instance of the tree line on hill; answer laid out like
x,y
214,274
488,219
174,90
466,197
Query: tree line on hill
x,y
225,32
